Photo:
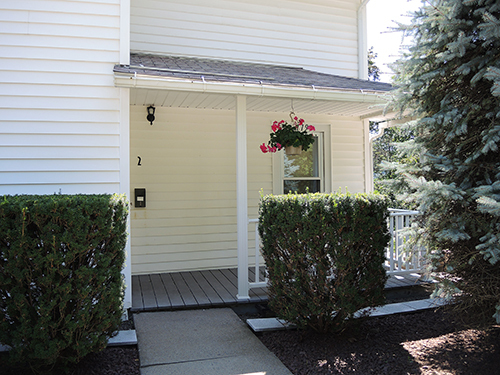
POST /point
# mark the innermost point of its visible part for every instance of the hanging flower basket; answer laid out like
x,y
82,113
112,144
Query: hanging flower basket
x,y
296,134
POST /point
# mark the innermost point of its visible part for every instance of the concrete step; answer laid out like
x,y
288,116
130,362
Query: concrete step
x,y
275,324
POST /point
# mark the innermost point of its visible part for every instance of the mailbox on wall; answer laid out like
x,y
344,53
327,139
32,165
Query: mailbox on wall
x,y
140,198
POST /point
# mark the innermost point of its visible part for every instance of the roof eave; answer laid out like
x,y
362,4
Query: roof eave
x,y
133,80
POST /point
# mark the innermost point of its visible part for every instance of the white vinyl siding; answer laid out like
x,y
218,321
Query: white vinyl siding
x,y
319,35
188,169
59,109
348,158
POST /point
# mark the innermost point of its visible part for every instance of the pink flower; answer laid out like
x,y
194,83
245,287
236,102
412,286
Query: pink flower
x,y
279,146
275,127
295,118
311,128
301,121
272,149
263,148
281,122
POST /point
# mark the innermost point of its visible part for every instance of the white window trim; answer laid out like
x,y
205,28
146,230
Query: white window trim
x,y
278,172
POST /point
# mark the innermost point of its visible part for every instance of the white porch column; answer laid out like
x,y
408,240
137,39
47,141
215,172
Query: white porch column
x,y
125,186
242,196
368,157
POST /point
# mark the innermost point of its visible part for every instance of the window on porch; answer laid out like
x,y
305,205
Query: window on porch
x,y
305,172
309,171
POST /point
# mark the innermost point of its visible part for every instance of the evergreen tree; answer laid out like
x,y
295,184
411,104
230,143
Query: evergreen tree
x,y
450,81
373,69
386,158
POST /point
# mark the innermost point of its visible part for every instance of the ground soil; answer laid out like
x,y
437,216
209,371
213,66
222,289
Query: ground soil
x,y
112,361
428,342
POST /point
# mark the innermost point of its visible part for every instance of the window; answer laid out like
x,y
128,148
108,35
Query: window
x,y
309,171
304,173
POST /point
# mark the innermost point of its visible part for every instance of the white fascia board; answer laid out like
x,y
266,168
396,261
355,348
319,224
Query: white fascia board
x,y
312,93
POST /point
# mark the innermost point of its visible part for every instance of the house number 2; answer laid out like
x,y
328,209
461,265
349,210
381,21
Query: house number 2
x,y
139,162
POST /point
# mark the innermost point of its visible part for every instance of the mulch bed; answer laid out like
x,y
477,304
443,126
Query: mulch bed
x,y
428,342
123,360
112,361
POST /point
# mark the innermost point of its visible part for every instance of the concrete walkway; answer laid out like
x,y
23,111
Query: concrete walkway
x,y
209,342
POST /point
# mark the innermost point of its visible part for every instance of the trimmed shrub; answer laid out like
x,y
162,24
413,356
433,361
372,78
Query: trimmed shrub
x,y
61,286
324,255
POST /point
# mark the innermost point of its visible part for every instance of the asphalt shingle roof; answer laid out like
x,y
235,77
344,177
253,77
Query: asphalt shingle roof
x,y
241,72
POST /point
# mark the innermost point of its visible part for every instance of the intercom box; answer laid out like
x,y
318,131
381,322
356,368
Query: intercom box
x,y
140,197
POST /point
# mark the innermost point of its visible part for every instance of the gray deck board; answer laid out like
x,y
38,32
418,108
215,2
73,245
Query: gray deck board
x,y
230,283
226,297
398,281
231,277
230,287
183,288
137,294
199,294
148,294
161,294
198,289
205,285
172,291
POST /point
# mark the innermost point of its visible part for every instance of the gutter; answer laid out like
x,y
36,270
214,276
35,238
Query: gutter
x,y
134,80
381,131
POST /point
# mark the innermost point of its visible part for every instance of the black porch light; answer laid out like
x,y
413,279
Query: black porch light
x,y
151,114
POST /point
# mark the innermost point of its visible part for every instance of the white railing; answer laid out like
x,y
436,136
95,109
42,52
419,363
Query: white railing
x,y
399,261
257,283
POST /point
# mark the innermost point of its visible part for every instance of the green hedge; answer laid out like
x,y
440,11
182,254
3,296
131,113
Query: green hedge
x,y
324,255
61,287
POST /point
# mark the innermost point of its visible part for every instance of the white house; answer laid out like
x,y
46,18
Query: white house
x,y
77,78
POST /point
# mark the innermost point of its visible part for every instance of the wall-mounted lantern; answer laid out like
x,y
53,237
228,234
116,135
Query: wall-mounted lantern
x,y
151,114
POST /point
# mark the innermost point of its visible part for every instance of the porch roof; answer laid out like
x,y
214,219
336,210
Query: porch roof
x,y
165,80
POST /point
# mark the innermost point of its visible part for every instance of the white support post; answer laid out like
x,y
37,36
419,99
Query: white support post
x,y
242,196
125,186
368,157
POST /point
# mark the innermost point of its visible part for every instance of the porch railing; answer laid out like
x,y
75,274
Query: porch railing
x,y
398,260
259,261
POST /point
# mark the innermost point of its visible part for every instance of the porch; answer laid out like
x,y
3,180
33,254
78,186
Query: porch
x,y
224,287
212,288
199,198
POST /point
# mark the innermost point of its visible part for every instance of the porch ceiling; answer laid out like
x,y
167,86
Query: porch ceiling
x,y
180,99
172,81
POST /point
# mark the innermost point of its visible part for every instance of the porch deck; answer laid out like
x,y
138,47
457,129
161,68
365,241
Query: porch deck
x,y
211,288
